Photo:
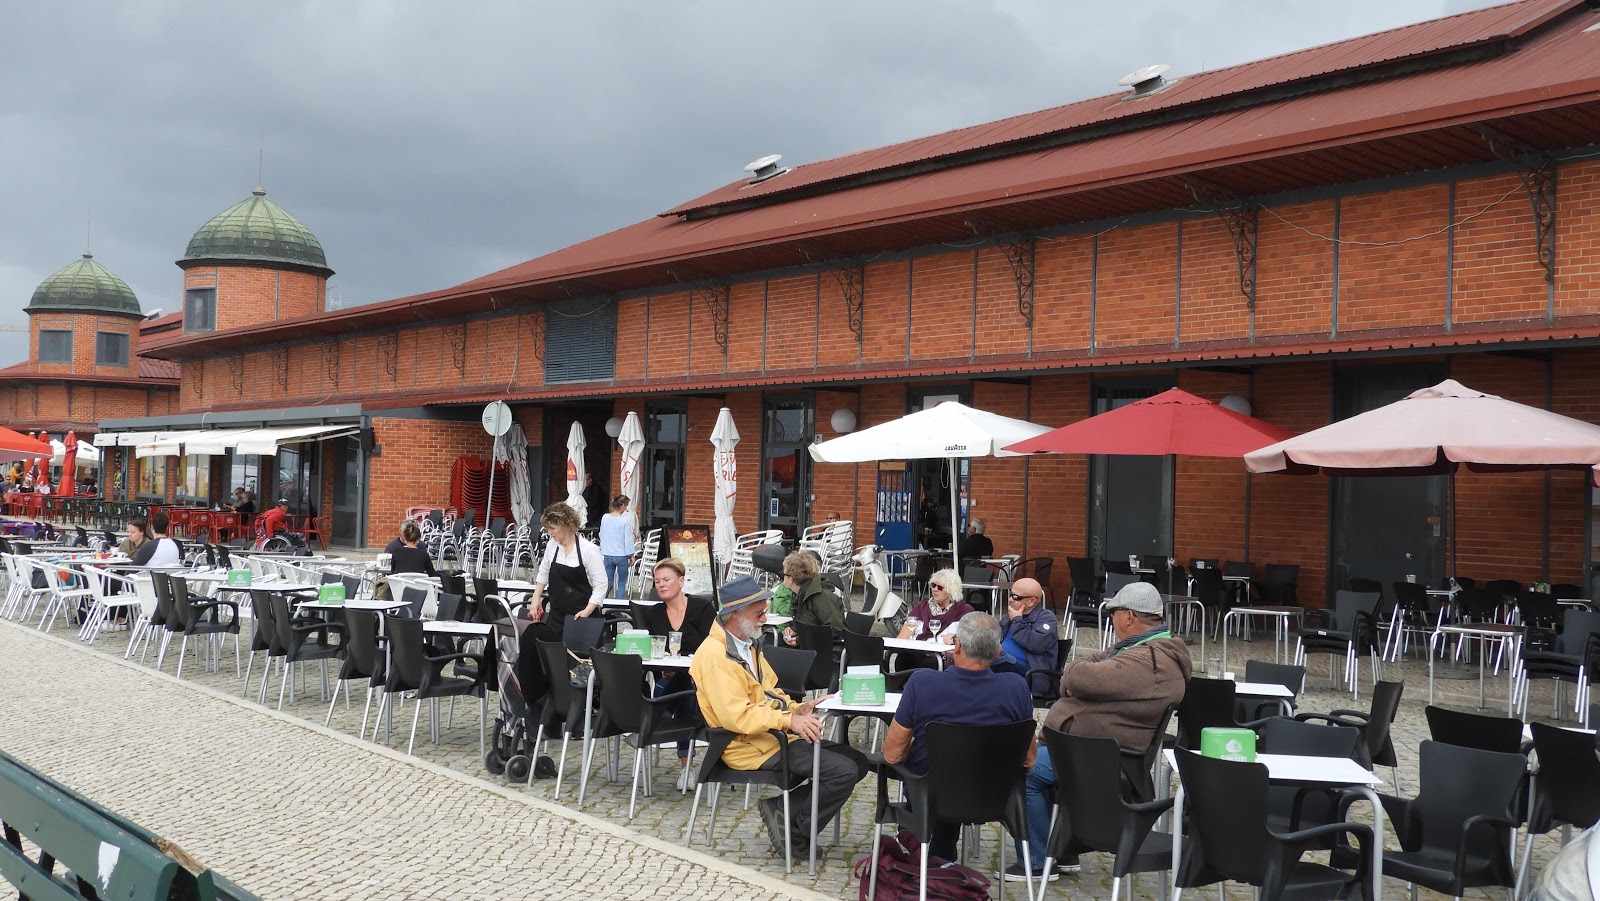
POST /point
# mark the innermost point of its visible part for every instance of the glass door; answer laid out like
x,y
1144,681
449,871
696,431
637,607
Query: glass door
x,y
666,427
786,464
931,478
1130,498
345,454
1388,528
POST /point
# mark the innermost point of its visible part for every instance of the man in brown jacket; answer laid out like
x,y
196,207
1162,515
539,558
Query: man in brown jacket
x,y
1119,693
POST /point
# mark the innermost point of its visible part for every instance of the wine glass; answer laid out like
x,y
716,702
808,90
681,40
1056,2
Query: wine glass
x,y
934,625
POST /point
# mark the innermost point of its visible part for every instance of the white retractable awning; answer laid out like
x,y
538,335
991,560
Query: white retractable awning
x,y
215,442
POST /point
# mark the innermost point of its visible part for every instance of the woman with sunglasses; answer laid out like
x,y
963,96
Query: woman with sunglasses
x,y
939,612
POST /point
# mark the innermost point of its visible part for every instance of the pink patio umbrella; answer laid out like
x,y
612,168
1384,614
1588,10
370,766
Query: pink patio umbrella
x,y
1435,431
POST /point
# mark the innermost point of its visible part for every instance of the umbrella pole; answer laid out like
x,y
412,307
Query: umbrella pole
x,y
488,504
955,512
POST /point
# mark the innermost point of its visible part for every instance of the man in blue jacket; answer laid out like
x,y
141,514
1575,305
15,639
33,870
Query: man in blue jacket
x,y
1029,633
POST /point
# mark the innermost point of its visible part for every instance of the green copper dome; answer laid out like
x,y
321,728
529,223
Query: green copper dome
x,y
257,230
84,286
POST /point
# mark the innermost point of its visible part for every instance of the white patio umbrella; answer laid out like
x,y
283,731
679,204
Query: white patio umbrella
x,y
948,431
725,467
88,454
631,440
512,449
576,445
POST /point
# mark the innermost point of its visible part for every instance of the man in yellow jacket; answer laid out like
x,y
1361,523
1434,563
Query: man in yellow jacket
x,y
738,691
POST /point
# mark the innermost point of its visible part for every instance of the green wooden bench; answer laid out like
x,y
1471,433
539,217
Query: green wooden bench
x,y
101,854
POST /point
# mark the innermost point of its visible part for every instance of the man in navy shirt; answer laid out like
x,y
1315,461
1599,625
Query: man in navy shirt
x,y
968,694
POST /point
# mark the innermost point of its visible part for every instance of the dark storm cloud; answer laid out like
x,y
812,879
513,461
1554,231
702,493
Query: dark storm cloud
x,y
428,143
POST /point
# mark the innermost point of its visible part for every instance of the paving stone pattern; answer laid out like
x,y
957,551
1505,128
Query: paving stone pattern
x,y
280,806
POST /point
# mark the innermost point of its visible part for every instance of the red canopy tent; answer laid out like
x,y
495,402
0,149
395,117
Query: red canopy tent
x,y
1172,422
16,444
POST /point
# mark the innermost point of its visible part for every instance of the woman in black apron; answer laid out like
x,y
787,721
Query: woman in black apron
x,y
570,583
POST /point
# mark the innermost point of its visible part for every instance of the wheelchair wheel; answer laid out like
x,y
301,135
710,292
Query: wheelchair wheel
x,y
493,762
517,768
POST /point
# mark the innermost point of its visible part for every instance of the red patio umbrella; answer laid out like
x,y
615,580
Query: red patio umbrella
x,y
16,444
1172,422
69,464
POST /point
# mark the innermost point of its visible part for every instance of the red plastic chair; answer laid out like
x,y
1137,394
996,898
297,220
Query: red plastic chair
x,y
317,528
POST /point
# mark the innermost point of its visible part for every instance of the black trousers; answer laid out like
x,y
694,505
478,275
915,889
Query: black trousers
x,y
841,768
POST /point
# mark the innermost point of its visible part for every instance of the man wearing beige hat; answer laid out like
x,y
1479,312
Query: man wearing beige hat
x,y
738,691
1119,693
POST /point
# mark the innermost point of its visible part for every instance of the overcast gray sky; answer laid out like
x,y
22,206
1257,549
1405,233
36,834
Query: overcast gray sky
x,y
429,143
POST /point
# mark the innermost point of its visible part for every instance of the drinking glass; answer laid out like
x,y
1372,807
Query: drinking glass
x,y
934,625
915,626
674,643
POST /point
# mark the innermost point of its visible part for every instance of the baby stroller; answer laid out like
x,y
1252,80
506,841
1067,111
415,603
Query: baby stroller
x,y
512,751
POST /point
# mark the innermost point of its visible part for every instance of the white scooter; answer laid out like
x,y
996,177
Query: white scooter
x,y
880,602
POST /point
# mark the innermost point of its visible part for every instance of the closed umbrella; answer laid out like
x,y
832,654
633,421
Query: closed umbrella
x,y
576,445
949,431
631,440
1172,422
69,465
725,468
512,450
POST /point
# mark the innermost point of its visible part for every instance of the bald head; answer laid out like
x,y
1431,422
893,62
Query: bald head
x,y
1026,594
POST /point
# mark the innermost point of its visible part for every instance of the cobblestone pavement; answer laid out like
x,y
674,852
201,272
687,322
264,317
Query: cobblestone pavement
x,y
289,810
67,700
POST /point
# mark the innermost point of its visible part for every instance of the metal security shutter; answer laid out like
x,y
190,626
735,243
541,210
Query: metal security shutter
x,y
580,341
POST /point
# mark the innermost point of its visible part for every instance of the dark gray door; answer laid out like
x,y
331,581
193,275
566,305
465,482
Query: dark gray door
x,y
1386,527
347,482
1130,498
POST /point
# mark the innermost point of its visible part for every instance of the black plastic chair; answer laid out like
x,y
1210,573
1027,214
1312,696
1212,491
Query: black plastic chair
x,y
1083,604
1504,589
1278,584
1456,833
1344,632
1500,734
824,675
1290,808
203,618
1414,614
412,668
979,598
1571,657
454,583
1092,811
1366,586
975,776
449,608
1206,702
793,667
625,707
1566,791
786,778
1239,591
1168,578
1046,688
581,634
867,650
564,702
264,640
481,610
1288,675
1211,590
303,639
1377,748
1566,591
1040,569
1538,610
414,598
1228,836
361,659
859,622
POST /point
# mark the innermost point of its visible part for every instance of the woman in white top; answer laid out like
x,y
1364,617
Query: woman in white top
x,y
572,577
617,540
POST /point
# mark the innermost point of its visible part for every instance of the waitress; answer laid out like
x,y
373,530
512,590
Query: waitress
x,y
572,574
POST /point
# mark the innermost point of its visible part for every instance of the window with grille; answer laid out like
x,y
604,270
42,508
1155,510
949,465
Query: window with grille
x,y
55,345
110,349
580,341
200,310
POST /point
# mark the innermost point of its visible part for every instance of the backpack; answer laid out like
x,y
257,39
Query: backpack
x,y
899,861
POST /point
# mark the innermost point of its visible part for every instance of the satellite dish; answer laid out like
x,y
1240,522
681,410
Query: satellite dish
x,y
154,314
1147,80
764,168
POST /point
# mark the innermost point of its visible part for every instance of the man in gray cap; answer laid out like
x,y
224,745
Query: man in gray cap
x,y
1119,693
738,691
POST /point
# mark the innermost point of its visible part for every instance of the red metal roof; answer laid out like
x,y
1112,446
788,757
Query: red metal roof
x,y
152,374
159,369
162,323
1411,42
1545,90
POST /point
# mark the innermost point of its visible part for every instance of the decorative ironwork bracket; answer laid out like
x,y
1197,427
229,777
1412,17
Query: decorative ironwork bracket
x,y
1242,217
1019,251
389,354
1538,173
236,371
536,324
716,298
330,360
280,366
199,382
852,278
457,333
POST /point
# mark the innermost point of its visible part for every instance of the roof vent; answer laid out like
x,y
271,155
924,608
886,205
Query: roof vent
x,y
1146,81
155,313
765,168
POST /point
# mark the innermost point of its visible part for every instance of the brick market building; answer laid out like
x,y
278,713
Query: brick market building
x,y
1317,233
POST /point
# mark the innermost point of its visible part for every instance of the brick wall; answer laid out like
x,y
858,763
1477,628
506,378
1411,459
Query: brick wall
x,y
25,406
1289,513
414,468
85,328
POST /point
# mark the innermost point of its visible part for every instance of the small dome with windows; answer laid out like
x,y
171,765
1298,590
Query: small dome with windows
x,y
256,230
84,286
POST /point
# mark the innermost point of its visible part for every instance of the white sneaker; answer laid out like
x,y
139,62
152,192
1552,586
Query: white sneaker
x,y
683,779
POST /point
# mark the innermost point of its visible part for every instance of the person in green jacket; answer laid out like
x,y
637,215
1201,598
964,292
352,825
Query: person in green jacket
x,y
809,599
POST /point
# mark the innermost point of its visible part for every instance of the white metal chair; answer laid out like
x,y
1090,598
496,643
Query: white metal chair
x,y
62,592
106,600
649,555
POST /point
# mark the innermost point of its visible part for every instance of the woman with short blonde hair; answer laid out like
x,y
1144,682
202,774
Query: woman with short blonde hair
x,y
942,608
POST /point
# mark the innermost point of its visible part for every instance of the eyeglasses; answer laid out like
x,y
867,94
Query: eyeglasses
x,y
936,587
1022,597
